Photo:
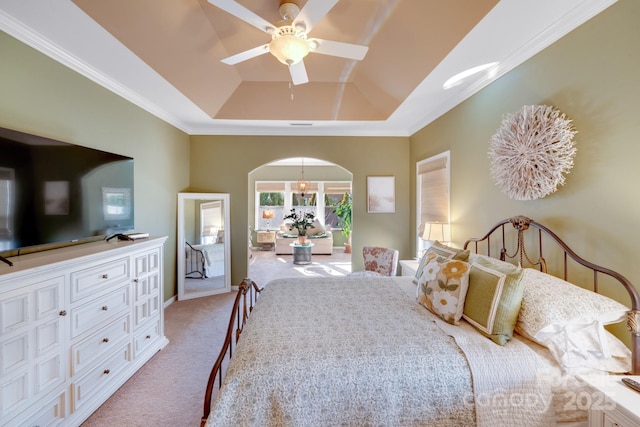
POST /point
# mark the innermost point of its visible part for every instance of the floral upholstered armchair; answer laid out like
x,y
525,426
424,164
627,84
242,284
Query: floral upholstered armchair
x,y
379,261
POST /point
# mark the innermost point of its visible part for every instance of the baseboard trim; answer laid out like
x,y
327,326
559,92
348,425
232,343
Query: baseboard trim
x,y
170,301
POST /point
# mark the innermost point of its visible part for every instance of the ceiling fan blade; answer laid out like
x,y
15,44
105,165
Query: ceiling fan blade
x,y
343,50
241,12
314,11
247,54
298,73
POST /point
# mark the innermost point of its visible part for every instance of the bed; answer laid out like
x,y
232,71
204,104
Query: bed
x,y
203,261
369,351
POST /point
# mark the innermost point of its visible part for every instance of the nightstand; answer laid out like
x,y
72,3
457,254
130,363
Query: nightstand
x,y
408,267
610,403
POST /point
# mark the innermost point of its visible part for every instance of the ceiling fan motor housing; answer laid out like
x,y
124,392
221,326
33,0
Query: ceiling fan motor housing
x,y
288,10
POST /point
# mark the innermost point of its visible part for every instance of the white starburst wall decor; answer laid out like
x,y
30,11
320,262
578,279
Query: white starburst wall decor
x,y
532,151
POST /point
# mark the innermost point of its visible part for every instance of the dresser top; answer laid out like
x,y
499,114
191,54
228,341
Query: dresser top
x,y
38,261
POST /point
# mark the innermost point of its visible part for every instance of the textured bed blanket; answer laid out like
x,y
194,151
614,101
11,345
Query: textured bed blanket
x,y
345,352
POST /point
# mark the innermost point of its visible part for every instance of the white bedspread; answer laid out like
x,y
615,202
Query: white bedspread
x,y
213,259
356,352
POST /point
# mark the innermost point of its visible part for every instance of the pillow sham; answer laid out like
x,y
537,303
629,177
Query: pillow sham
x,y
439,252
442,289
494,297
580,347
549,304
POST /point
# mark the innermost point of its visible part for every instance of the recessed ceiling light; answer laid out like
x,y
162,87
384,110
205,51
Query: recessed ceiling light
x,y
491,69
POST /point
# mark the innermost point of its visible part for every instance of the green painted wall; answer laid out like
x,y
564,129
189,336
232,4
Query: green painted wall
x,y
223,163
592,76
40,96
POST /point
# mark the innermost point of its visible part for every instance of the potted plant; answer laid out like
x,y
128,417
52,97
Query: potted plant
x,y
301,221
343,211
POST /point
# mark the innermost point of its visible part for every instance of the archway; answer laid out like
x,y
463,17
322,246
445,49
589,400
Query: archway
x,y
273,191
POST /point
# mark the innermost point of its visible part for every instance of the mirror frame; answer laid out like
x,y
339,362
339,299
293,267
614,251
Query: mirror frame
x,y
180,267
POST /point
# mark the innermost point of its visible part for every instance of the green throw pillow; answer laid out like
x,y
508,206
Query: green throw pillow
x,y
493,298
439,252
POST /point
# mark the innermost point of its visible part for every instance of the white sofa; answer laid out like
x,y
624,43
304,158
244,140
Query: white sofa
x,y
322,245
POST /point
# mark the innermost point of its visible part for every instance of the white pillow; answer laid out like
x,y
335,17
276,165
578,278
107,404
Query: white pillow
x,y
316,229
568,320
579,347
550,303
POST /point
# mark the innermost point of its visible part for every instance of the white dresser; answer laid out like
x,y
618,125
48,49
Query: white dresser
x,y
75,324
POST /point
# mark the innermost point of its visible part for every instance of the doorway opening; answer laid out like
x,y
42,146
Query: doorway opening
x,y
303,186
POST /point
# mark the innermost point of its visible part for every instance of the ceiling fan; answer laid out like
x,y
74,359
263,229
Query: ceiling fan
x,y
289,38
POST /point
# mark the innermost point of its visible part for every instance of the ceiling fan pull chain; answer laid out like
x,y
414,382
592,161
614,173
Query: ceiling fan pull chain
x,y
291,90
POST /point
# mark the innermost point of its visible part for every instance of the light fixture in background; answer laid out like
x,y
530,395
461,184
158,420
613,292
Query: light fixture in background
x,y
439,231
268,215
289,43
303,185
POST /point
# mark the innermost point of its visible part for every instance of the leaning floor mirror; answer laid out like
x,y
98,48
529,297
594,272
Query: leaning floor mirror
x,y
204,264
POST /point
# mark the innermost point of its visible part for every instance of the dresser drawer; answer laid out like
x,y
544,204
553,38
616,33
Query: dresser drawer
x,y
148,335
102,342
149,308
99,311
85,283
147,263
34,302
109,368
50,414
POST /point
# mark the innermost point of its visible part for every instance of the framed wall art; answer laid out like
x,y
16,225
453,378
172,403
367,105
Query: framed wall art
x,y
381,194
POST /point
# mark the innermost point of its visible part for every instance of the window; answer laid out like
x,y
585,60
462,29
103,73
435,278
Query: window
x,y
275,199
433,193
333,194
211,221
271,210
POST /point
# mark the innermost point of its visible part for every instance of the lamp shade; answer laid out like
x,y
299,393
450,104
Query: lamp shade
x,y
267,214
436,231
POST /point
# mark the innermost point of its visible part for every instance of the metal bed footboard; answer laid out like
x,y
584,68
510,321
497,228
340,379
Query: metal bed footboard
x,y
243,306
194,259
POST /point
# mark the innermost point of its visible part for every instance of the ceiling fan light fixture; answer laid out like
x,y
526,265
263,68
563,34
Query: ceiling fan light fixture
x,y
288,47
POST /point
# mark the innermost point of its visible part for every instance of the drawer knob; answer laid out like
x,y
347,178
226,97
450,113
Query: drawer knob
x,y
63,313
105,339
106,371
105,308
105,276
148,337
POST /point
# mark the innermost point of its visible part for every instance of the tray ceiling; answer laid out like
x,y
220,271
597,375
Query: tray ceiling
x,y
164,55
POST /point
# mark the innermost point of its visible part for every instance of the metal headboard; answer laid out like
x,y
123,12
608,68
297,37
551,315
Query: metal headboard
x,y
521,224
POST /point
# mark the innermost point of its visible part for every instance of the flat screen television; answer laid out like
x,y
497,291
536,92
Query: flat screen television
x,y
53,192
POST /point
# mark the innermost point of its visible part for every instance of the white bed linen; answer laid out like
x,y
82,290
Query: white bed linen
x,y
539,378
356,351
213,259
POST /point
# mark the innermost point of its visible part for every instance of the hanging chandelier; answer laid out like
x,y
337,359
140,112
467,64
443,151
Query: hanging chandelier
x,y
303,185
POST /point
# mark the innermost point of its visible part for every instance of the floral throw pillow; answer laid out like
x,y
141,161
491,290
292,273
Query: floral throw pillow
x,y
439,252
442,288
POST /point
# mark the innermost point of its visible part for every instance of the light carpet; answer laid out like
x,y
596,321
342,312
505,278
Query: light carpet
x,y
169,389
